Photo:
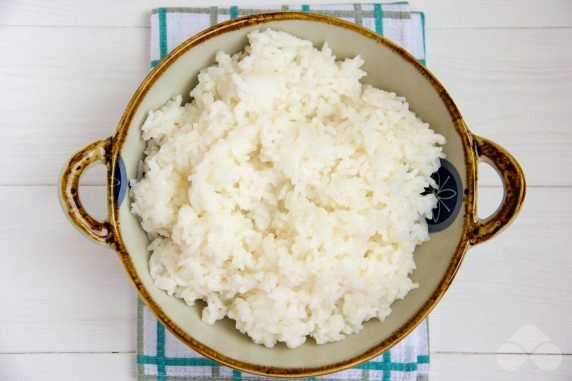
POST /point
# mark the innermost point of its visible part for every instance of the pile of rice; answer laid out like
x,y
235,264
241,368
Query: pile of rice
x,y
287,195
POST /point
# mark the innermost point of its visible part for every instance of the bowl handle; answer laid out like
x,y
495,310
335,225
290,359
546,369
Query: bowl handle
x,y
98,151
514,190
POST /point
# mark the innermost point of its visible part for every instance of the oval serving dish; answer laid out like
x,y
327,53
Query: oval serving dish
x,y
454,227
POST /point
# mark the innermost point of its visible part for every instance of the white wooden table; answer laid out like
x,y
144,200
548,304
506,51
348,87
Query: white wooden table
x,y
67,69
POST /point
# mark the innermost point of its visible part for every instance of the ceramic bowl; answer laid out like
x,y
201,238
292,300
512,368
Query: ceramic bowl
x,y
454,227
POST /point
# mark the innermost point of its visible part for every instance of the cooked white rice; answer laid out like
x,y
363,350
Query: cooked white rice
x,y
287,195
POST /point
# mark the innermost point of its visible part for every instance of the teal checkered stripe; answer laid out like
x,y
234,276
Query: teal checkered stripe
x,y
382,367
396,21
162,357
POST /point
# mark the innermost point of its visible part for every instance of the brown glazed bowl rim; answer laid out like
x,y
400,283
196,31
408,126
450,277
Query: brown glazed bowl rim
x,y
109,232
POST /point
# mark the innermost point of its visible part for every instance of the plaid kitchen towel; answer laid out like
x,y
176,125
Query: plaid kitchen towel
x,y
160,355
163,357
396,21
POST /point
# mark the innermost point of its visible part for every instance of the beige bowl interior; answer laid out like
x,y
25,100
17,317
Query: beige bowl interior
x,y
386,69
